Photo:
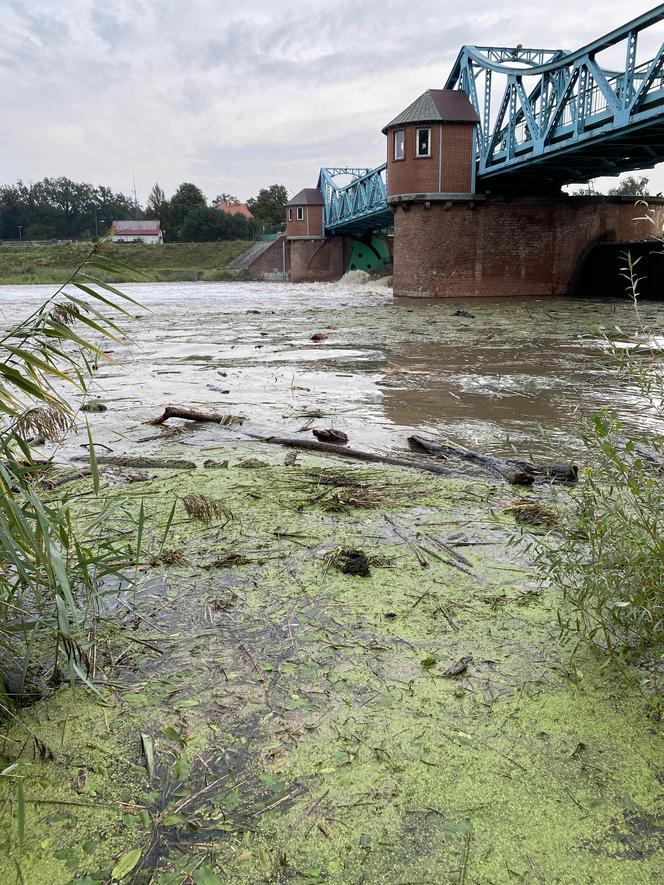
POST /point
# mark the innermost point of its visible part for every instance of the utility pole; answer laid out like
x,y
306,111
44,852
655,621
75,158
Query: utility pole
x,y
135,200
97,220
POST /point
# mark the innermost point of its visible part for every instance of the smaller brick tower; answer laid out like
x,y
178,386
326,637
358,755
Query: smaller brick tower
x,y
313,257
304,215
431,146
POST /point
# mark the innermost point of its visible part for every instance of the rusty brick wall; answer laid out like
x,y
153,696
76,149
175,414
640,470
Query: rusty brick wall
x,y
271,261
413,175
310,226
521,247
313,261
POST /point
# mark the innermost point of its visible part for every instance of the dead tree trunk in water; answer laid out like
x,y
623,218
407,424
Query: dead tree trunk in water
x,y
513,471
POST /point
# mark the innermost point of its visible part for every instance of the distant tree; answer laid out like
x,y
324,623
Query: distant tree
x,y
269,206
156,201
158,206
229,199
207,225
187,198
630,187
59,207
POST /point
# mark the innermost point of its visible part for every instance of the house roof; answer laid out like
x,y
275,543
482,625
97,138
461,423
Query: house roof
x,y
132,228
437,106
308,196
235,209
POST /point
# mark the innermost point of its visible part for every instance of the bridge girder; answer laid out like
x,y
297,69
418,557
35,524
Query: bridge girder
x,y
554,103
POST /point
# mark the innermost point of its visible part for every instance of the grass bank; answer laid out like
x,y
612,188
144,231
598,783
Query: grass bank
x,y
268,716
165,263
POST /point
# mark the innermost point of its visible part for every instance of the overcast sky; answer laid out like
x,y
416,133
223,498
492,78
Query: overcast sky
x,y
235,96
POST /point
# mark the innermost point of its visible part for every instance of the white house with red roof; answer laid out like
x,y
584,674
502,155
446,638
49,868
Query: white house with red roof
x,y
137,232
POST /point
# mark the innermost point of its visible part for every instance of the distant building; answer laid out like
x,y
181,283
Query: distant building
x,y
137,232
235,209
304,215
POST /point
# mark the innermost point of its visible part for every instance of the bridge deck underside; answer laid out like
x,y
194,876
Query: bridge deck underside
x,y
639,146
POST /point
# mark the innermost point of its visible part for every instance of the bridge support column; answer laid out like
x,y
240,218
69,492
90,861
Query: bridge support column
x,y
461,245
318,260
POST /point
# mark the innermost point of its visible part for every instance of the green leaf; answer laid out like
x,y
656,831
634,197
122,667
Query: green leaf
x,y
429,662
148,752
173,820
93,459
20,813
126,863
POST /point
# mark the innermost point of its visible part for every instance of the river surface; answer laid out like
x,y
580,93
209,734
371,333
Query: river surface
x,y
516,377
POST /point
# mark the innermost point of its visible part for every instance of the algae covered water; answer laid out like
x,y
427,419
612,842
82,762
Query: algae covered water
x,y
266,713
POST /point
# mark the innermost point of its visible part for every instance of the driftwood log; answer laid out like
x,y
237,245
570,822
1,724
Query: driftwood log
x,y
514,471
356,454
304,444
195,415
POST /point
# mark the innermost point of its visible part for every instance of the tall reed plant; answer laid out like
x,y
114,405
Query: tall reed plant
x,y
51,565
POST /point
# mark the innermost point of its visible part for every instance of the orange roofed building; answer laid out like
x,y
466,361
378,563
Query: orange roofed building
x,y
235,209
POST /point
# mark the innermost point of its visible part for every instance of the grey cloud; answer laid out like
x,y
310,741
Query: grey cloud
x,y
203,89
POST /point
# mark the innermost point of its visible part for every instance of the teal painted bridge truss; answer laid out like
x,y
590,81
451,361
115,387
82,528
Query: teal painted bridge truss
x,y
548,117
560,117
357,205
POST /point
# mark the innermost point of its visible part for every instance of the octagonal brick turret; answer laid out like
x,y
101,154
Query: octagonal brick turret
x,y
431,145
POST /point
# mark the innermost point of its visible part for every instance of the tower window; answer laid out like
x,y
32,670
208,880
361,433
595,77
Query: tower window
x,y
423,142
300,213
290,214
398,144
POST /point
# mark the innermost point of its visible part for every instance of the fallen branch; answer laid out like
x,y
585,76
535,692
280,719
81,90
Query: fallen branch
x,y
154,463
196,415
356,454
513,471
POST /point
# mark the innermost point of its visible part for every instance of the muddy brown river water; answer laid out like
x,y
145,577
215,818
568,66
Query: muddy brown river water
x,y
516,376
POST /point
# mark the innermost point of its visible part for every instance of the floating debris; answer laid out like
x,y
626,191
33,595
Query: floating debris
x,y
206,509
351,562
330,435
531,513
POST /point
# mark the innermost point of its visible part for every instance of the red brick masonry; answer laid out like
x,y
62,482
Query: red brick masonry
x,y
524,246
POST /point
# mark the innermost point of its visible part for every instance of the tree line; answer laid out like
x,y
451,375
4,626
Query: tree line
x,y
59,208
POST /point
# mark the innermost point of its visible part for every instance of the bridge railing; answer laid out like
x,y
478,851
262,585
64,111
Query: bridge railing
x,y
349,204
552,99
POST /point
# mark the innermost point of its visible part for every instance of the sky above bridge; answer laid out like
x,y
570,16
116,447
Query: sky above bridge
x,y
238,96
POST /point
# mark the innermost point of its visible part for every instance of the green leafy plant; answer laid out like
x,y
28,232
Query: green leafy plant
x,y
609,556
52,565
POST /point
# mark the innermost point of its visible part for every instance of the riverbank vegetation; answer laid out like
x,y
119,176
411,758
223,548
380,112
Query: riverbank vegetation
x,y
58,208
53,566
609,557
165,263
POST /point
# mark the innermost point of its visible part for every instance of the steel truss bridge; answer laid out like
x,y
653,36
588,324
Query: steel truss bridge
x,y
548,117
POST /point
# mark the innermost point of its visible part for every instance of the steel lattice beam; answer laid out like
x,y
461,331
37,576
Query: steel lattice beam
x,y
356,206
553,100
